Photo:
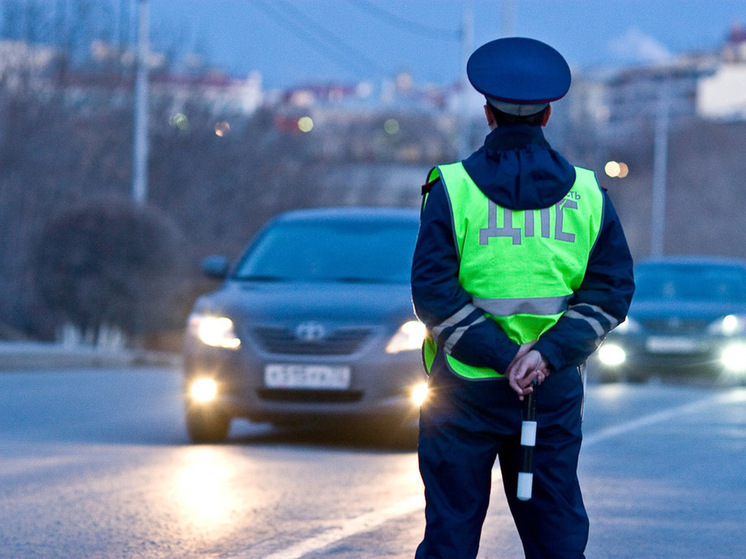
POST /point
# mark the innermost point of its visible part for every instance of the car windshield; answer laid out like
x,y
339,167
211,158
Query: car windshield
x,y
682,282
342,251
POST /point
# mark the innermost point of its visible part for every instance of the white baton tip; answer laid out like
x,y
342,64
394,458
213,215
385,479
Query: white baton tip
x,y
525,484
528,433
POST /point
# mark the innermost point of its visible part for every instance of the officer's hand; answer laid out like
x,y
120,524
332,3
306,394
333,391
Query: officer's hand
x,y
522,372
523,350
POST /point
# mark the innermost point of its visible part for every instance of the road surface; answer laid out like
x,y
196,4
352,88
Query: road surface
x,y
96,463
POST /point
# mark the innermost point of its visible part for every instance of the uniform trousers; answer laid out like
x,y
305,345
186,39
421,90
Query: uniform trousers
x,y
464,427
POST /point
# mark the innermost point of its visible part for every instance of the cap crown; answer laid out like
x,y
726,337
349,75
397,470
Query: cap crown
x,y
519,70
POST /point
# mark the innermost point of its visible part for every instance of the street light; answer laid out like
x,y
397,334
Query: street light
x,y
616,169
660,169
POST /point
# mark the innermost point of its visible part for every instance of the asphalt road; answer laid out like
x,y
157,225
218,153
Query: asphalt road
x,y
96,463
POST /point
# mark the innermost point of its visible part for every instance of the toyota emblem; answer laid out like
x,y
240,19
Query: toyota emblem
x,y
310,332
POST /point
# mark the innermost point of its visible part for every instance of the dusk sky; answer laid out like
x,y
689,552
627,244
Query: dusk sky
x,y
298,41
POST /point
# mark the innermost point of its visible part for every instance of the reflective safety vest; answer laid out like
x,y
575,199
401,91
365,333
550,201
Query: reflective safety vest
x,y
520,266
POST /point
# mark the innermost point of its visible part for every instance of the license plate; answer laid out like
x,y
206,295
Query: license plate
x,y
307,376
671,345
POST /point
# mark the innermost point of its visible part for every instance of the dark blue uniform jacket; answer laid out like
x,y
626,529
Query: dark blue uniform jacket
x,y
518,169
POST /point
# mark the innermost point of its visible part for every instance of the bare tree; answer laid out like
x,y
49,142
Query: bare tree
x,y
110,263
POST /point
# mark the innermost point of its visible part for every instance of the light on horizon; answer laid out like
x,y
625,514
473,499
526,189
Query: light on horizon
x,y
222,128
179,120
616,169
305,124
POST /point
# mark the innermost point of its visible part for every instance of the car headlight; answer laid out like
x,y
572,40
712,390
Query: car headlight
x,y
611,354
419,393
730,325
215,331
203,390
733,357
628,326
409,336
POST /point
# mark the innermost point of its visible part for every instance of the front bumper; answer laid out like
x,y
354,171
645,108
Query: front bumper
x,y
638,357
380,384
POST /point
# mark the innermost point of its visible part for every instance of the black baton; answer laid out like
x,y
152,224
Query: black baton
x,y
528,442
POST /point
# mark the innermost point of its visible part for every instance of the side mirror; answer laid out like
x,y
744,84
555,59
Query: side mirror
x,y
215,267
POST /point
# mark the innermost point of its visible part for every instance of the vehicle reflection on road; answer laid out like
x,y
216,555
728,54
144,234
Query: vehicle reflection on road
x,y
204,485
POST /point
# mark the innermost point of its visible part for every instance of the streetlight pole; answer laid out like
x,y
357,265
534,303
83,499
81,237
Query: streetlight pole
x,y
467,43
140,136
660,170
506,21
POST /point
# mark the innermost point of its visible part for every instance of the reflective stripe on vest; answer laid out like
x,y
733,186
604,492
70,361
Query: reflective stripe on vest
x,y
521,267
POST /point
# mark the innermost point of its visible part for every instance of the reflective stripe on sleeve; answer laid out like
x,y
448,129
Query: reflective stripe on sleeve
x,y
458,332
454,319
594,323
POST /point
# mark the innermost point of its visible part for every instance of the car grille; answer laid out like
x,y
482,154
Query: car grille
x,y
342,341
669,326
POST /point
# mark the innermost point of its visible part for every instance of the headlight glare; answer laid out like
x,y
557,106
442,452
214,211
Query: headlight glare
x,y
215,331
409,336
627,326
729,325
203,390
612,355
419,393
733,357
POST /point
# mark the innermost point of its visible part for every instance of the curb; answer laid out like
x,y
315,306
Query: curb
x,y
30,355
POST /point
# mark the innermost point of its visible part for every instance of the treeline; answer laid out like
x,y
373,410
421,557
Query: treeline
x,y
76,251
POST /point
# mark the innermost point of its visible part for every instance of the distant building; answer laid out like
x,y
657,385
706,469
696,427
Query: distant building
x,y
621,102
26,65
634,97
108,79
722,96
399,93
17,56
221,93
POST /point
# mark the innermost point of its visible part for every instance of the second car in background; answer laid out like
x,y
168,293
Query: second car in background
x,y
688,317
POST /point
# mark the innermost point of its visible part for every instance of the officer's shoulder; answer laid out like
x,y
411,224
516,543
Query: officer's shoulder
x,y
592,173
428,186
433,178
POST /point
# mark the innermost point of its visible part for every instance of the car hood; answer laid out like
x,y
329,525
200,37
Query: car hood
x,y
708,310
340,302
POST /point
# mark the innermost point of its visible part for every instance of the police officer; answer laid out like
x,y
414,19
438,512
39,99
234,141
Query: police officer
x,y
521,269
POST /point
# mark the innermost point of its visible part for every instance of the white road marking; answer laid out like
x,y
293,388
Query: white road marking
x,y
658,417
353,526
371,520
17,466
